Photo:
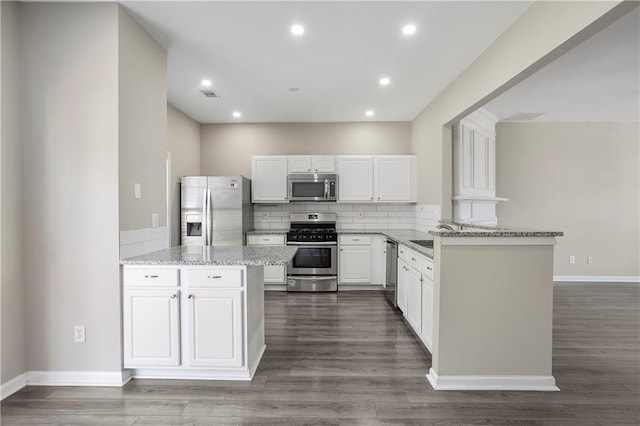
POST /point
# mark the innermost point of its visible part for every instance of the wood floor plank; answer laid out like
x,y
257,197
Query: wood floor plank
x,y
350,359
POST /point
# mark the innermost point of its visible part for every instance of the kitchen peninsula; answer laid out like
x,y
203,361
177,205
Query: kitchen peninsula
x,y
196,312
493,309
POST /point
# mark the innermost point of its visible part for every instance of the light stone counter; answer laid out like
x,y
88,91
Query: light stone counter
x,y
207,255
471,230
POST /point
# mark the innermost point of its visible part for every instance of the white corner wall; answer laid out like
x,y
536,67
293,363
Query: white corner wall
x,y
142,125
13,346
70,130
183,140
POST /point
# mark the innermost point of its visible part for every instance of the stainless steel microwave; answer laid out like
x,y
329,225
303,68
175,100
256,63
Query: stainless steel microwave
x,y
313,186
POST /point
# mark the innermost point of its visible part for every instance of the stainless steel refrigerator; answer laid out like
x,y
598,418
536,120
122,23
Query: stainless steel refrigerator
x,y
215,210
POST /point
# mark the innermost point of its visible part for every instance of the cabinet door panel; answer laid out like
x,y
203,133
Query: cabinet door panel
x,y
355,179
355,264
269,179
479,161
403,284
215,328
323,164
274,274
414,300
427,313
392,177
299,164
151,327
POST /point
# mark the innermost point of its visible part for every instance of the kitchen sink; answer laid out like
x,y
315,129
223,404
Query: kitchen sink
x,y
423,243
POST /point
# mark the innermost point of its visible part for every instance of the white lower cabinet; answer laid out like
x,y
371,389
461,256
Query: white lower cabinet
x,y
210,324
210,343
414,299
151,327
402,285
273,274
415,293
354,259
427,312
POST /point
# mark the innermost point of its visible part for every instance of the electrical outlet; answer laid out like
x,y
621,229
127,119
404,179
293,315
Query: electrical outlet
x,y
361,215
155,221
572,259
79,335
137,190
589,259
265,214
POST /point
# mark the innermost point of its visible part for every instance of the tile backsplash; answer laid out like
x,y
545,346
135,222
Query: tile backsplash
x,y
353,216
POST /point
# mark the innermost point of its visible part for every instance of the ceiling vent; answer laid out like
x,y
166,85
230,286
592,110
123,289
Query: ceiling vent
x,y
524,116
210,93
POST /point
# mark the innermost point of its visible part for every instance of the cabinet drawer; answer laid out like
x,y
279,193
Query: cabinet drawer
x,y
214,278
355,239
265,240
415,260
150,277
427,269
403,253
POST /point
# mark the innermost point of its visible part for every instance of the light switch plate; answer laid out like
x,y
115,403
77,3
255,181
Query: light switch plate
x,y
154,220
137,190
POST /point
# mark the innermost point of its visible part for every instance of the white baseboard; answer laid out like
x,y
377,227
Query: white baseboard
x,y
597,278
190,374
513,383
77,378
14,385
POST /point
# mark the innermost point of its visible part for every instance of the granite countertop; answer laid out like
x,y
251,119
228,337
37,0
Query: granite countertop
x,y
233,255
267,231
401,236
473,230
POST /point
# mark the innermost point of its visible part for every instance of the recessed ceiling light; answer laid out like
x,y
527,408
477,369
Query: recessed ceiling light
x,y
297,29
206,83
293,89
408,29
369,113
384,81
237,114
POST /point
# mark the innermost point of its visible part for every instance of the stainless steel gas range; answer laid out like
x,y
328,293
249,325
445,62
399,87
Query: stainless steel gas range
x,y
315,265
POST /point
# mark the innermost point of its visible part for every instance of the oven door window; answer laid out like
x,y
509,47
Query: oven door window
x,y
307,189
312,257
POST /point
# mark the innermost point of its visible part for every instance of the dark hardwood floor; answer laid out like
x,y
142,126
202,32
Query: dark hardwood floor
x,y
348,359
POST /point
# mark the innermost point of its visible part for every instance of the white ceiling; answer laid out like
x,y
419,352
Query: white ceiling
x,y
248,52
596,81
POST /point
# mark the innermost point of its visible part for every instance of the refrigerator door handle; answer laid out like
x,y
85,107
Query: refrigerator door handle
x,y
205,218
209,218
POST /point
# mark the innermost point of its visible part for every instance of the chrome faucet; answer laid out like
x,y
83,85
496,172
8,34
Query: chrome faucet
x,y
445,226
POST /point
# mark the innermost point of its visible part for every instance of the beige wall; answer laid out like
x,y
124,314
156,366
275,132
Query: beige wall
x,y
70,130
226,149
516,54
183,141
12,212
494,315
142,92
580,178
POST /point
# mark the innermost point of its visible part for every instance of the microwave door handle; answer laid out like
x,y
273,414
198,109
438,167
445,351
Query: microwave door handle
x,y
326,189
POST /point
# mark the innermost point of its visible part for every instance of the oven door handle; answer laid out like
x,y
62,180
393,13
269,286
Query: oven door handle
x,y
314,278
319,243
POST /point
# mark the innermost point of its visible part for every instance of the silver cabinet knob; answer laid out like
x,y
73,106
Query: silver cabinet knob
x,y
173,296
190,296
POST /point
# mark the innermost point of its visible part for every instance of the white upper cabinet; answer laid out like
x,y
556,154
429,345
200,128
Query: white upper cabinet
x,y
355,178
312,164
474,160
394,178
269,179
384,178
474,169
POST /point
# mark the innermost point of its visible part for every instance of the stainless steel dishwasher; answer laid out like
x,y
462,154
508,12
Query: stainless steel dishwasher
x,y
392,272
